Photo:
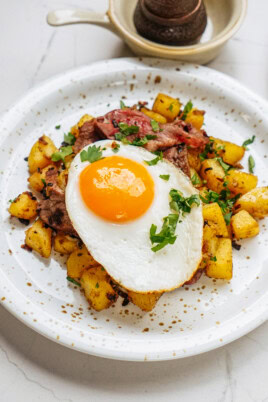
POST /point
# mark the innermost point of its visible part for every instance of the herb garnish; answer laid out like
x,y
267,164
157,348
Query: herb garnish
x,y
115,147
69,138
208,149
122,105
224,165
44,182
195,179
170,108
181,204
226,204
11,201
213,258
73,281
97,285
61,155
57,127
155,126
126,130
155,160
251,164
164,177
92,154
248,142
140,142
187,108
166,235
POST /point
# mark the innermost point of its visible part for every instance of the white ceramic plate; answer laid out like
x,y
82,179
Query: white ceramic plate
x,y
185,322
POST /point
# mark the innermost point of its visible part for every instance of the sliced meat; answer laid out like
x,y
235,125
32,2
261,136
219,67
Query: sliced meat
x,y
87,135
195,278
53,209
179,157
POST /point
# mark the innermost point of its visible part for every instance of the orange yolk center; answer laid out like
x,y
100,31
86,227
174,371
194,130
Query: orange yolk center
x,y
117,189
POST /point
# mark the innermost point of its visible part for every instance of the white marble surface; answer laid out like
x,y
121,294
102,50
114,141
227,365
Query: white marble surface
x,y
35,369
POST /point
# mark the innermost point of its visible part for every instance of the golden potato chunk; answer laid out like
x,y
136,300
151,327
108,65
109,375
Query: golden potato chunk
x,y
78,261
255,202
75,128
97,288
62,179
145,301
194,159
37,179
68,160
213,173
230,153
195,178
220,265
196,118
213,217
167,106
38,238
153,115
65,244
244,226
40,155
241,182
24,206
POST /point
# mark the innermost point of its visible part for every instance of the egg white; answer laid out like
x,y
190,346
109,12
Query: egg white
x,y
125,249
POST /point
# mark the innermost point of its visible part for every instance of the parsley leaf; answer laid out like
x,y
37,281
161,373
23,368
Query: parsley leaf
x,y
213,258
73,281
44,182
97,285
224,165
195,179
69,138
227,218
208,149
155,160
248,142
62,153
155,126
57,127
170,108
226,204
92,154
164,177
187,108
115,147
125,129
181,204
251,164
11,201
122,105
140,142
167,233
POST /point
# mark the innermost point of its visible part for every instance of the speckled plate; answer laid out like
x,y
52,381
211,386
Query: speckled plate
x,y
185,322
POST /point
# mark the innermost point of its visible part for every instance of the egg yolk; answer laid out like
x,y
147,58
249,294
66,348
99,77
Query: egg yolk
x,y
117,189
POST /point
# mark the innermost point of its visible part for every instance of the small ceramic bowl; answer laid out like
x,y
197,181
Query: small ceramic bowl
x,y
224,19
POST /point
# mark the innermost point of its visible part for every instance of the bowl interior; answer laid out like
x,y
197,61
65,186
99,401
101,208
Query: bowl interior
x,y
222,17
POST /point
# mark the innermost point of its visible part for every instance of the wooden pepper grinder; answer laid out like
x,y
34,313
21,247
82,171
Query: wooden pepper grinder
x,y
171,22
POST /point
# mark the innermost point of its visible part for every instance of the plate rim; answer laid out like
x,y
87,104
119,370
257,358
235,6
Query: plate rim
x,y
32,96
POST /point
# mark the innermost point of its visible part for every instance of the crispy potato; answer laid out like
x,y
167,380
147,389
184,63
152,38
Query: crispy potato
x,y
213,173
62,179
68,160
65,244
244,226
220,265
167,106
241,182
38,238
97,288
35,180
40,155
24,206
75,128
145,302
213,217
196,118
194,159
195,178
203,191
230,153
78,261
153,115
255,202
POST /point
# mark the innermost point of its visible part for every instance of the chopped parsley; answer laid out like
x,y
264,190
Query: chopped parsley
x,y
164,177
73,281
171,107
115,147
248,142
181,204
62,153
69,138
227,217
208,150
122,105
187,108
57,127
140,142
167,233
127,130
226,204
251,164
97,285
213,258
11,201
224,165
155,126
44,182
155,160
92,154
195,179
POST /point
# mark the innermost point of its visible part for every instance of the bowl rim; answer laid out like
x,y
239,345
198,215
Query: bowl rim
x,y
145,44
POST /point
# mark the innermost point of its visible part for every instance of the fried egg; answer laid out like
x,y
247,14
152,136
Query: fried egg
x,y
112,204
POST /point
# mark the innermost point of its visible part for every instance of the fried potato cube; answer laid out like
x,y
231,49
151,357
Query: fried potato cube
x,y
75,128
167,106
196,118
254,202
65,244
24,206
213,217
153,115
195,178
203,191
145,301
213,173
68,160
244,226
230,153
241,182
37,179
62,179
40,155
78,261
97,288
220,265
194,159
38,238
